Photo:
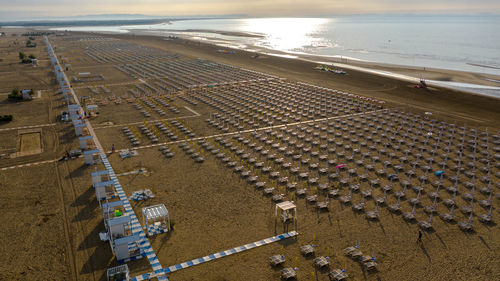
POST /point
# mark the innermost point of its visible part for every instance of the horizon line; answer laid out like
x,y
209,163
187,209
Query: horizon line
x,y
166,17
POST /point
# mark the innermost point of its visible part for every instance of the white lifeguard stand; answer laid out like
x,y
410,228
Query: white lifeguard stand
x,y
86,142
91,157
287,211
99,176
104,190
118,273
156,219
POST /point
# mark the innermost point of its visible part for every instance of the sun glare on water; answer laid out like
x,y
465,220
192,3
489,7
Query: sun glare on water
x,y
286,34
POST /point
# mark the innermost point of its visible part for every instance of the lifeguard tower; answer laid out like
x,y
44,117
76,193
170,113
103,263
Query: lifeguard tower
x,y
156,219
287,212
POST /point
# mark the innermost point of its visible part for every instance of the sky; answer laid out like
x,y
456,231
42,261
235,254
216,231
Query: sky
x,y
22,9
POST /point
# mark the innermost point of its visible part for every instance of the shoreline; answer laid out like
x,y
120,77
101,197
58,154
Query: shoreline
x,y
478,85
467,82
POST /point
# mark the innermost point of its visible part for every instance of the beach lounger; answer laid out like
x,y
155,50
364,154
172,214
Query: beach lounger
x,y
449,217
364,259
312,199
288,273
371,265
466,226
307,250
321,262
359,207
337,275
276,260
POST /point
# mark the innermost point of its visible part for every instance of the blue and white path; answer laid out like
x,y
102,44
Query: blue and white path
x,y
218,255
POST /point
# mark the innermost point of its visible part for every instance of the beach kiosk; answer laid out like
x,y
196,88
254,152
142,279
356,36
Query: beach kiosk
x,y
119,227
126,248
59,74
80,128
91,157
76,122
99,176
73,109
118,273
75,112
156,219
86,142
124,243
105,190
287,212
76,117
92,110
113,209
66,93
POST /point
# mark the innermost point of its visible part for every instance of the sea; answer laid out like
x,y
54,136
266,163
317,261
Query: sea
x,y
464,43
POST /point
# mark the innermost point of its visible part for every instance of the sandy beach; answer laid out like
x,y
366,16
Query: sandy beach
x,y
52,218
468,108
